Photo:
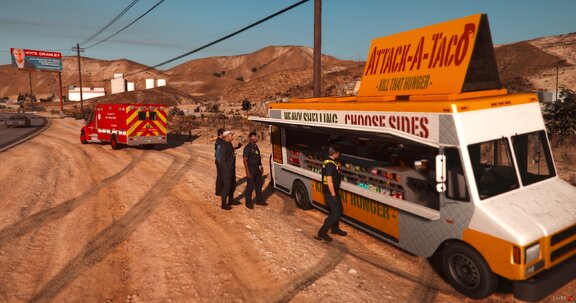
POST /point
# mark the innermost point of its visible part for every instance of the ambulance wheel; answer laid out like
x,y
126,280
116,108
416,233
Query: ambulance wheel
x,y
83,138
301,195
114,143
467,271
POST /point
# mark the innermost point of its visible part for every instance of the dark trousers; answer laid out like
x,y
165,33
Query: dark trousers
x,y
254,183
333,219
228,188
219,182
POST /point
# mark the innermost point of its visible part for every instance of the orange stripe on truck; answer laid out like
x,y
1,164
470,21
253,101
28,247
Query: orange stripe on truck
x,y
498,254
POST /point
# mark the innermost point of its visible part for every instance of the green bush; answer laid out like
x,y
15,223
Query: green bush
x,y
560,116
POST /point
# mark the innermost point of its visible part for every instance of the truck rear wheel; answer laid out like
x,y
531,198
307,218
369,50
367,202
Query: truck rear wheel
x,y
301,195
467,271
83,138
114,143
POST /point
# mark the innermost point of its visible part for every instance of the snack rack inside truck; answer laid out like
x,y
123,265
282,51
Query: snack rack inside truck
x,y
437,158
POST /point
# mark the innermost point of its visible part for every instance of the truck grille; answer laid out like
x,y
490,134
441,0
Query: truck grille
x,y
567,248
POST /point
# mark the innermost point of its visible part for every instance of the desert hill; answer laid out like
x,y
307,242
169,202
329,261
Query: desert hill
x,y
217,75
531,65
279,72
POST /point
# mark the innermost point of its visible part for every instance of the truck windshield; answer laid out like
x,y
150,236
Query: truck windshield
x,y
493,167
533,157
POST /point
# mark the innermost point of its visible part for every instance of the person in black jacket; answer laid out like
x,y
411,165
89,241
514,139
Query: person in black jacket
x,y
253,166
330,188
217,161
228,165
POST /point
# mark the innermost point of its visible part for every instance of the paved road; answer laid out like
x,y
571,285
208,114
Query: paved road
x,y
11,135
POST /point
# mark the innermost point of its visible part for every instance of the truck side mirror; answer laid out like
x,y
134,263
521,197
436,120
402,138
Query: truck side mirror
x,y
441,173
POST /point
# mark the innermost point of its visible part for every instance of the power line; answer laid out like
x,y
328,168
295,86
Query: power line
x,y
111,22
125,27
213,42
223,38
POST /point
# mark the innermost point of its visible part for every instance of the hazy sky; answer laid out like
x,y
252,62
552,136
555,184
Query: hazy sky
x,y
177,26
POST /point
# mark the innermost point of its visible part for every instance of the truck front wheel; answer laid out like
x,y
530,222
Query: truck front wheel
x,y
467,271
114,143
301,195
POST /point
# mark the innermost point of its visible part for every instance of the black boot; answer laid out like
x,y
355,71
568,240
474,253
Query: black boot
x,y
225,205
323,236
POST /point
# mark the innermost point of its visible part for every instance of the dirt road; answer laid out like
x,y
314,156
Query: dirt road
x,y
84,223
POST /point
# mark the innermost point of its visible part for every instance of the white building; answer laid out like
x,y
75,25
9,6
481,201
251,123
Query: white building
x,y
118,84
149,83
87,93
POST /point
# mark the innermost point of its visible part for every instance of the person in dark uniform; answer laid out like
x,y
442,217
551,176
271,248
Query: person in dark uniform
x,y
228,163
330,188
253,166
217,161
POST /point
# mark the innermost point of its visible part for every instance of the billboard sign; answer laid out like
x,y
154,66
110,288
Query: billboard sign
x,y
36,60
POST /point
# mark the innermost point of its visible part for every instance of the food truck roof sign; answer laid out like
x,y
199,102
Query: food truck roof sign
x,y
447,58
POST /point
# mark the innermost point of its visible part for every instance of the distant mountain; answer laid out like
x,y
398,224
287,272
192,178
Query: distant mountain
x,y
95,73
531,65
278,72
218,75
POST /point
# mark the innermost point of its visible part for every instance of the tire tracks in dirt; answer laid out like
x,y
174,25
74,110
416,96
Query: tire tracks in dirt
x,y
328,263
38,219
426,289
427,286
115,234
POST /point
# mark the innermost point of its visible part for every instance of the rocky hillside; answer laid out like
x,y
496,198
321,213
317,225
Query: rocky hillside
x,y
531,65
279,72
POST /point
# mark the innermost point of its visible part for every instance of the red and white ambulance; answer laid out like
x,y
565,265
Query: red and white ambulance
x,y
126,124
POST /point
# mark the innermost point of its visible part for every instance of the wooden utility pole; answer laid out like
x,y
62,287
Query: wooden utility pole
x,y
31,92
61,97
78,50
317,47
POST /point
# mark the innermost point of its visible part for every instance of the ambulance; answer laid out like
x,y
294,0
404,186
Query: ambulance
x,y
126,124
439,160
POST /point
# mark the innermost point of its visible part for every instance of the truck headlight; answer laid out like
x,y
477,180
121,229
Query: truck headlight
x,y
532,253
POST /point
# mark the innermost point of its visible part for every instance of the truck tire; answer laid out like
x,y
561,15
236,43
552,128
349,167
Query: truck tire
x,y
114,143
467,271
301,196
83,138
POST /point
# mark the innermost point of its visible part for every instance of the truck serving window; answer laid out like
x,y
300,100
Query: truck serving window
x,y
533,157
393,167
493,167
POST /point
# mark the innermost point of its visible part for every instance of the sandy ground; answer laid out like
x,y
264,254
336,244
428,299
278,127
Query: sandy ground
x,y
84,223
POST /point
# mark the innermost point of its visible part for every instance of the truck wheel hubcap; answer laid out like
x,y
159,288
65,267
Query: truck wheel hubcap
x,y
464,271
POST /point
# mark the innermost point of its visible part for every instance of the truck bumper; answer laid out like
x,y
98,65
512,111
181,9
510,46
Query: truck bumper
x,y
134,141
540,286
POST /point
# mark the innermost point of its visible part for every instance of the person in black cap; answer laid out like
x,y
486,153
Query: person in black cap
x,y
253,166
330,188
228,163
217,161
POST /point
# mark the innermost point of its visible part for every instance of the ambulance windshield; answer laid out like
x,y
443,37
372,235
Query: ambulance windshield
x,y
493,167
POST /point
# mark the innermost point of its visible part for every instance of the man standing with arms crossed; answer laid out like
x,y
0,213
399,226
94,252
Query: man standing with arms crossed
x,y
330,188
253,166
